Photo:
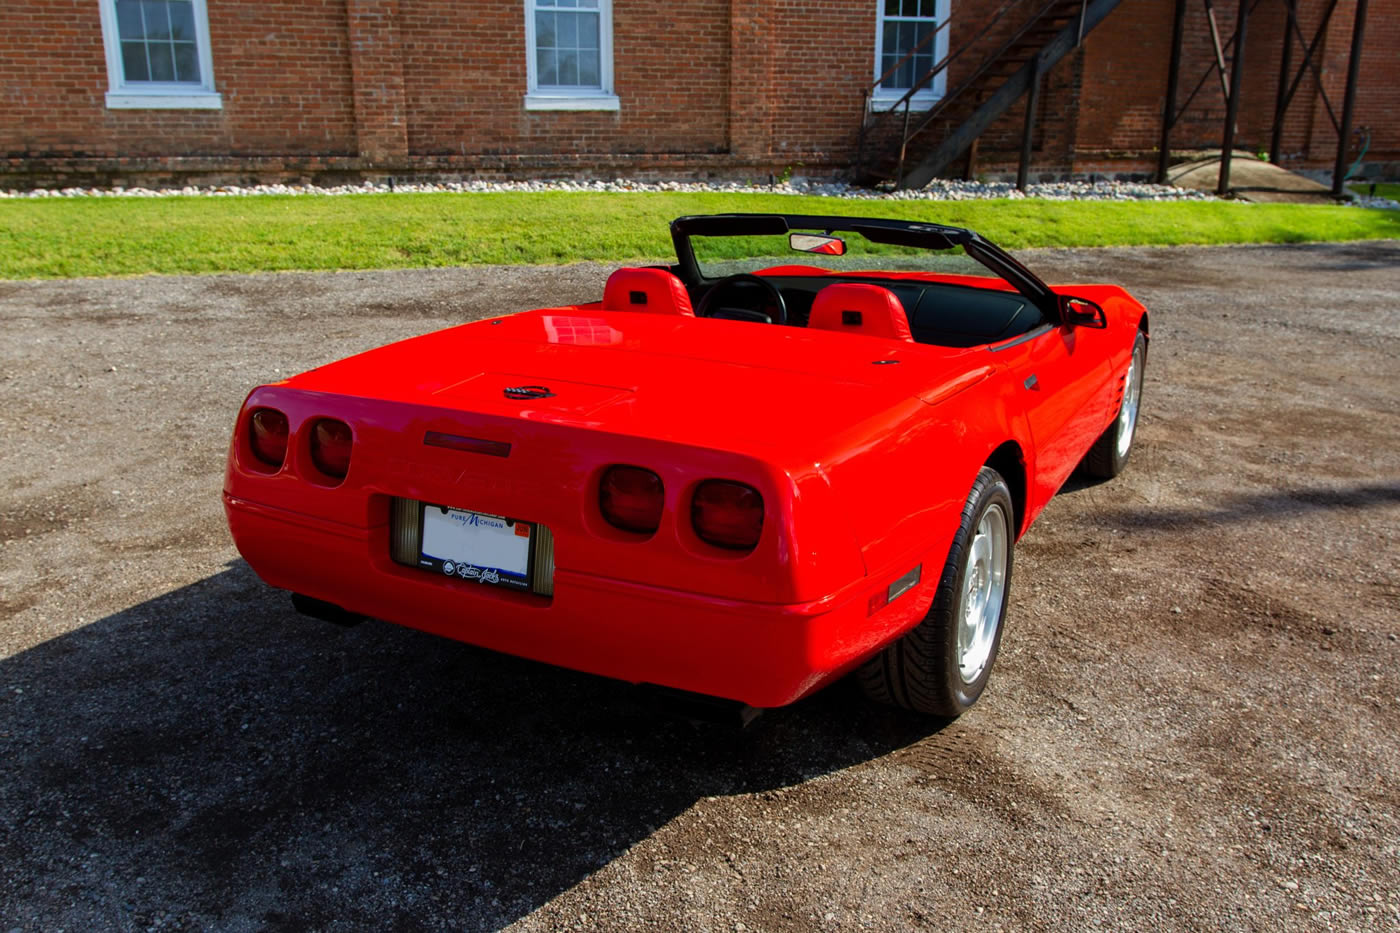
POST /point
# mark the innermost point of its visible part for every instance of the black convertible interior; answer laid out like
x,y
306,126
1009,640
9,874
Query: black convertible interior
x,y
940,314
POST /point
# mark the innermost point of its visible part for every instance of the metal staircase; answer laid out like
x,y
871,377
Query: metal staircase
x,y
1021,42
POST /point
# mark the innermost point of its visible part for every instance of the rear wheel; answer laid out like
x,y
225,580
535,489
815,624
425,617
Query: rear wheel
x,y
1109,454
941,666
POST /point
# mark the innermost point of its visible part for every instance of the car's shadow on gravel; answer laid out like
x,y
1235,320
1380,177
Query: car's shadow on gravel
x,y
211,748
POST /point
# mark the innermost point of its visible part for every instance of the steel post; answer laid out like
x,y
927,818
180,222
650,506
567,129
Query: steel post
x,y
1358,30
1169,108
1281,103
1232,106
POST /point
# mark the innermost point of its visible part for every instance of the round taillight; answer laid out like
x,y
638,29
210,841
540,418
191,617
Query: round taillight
x,y
330,447
631,498
727,514
267,435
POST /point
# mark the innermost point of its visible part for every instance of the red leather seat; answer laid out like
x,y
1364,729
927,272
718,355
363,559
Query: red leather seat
x,y
856,308
654,291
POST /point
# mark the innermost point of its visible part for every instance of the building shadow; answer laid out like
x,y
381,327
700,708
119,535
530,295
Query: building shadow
x,y
209,758
1263,506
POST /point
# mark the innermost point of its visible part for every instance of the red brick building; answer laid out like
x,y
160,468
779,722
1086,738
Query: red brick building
x,y
153,91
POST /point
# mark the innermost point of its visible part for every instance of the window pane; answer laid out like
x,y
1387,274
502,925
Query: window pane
x,y
129,20
157,23
544,31
134,61
911,7
162,63
891,7
568,68
587,32
589,74
565,3
568,30
926,9
891,39
186,62
588,4
547,68
182,21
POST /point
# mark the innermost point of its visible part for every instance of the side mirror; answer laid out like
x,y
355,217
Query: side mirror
x,y
1081,312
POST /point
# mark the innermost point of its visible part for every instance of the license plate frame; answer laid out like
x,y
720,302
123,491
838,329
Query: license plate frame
x,y
478,547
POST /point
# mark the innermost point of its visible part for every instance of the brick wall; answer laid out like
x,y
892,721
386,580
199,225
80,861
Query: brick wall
x,y
333,89
283,69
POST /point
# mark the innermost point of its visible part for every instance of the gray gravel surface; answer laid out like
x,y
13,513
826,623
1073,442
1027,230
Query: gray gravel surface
x,y
1192,723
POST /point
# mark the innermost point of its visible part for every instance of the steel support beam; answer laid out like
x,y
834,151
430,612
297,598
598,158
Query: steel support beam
x,y
1169,108
1358,31
1023,169
1232,105
1281,103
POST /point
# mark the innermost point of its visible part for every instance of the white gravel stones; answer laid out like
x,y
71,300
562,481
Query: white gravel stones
x,y
1378,202
938,190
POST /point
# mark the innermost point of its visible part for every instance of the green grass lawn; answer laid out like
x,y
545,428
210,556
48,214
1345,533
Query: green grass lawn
x,y
1383,189
108,236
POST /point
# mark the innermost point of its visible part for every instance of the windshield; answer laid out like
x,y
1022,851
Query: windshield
x,y
720,256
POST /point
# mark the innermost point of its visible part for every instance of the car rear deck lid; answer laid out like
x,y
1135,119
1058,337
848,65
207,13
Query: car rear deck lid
x,y
532,394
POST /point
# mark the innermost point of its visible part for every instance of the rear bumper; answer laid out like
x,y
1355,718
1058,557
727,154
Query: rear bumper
x,y
757,653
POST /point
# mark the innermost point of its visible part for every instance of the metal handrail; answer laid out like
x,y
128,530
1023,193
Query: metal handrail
x,y
904,101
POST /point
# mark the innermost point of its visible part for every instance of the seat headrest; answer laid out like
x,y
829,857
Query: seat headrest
x,y
857,308
654,291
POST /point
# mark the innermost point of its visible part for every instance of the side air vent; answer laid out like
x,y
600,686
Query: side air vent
x,y
544,562
405,530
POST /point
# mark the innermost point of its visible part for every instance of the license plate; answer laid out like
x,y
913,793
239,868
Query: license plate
x,y
477,547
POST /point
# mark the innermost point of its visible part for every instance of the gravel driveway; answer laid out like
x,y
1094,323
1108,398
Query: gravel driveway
x,y
1192,724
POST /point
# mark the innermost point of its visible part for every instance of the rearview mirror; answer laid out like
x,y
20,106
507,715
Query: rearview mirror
x,y
815,243
1081,312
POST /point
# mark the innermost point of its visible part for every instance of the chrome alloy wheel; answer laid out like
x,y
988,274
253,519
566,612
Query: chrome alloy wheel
x,y
1127,414
984,591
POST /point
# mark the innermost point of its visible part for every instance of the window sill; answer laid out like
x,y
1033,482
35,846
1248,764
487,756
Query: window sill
x,y
916,103
572,102
138,100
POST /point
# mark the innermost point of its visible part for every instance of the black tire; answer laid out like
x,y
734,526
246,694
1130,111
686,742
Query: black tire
x,y
1108,456
922,670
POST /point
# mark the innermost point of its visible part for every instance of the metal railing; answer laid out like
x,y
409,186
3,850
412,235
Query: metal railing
x,y
903,105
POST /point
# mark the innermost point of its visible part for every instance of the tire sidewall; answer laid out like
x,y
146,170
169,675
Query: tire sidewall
x,y
989,489
1121,460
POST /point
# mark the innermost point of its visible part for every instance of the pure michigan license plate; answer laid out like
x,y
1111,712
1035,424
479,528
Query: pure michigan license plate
x,y
476,547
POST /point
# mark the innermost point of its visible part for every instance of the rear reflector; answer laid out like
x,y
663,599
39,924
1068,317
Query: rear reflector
x,y
727,514
267,435
632,498
330,447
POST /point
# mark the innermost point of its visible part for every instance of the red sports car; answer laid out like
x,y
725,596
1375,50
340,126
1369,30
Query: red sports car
x,y
743,475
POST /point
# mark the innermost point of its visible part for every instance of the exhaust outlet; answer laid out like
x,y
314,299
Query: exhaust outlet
x,y
326,612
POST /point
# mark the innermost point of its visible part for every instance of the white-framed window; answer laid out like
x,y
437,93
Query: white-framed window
x,y
568,48
158,55
901,25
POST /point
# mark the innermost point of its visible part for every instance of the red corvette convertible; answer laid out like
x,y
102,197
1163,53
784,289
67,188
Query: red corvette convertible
x,y
805,449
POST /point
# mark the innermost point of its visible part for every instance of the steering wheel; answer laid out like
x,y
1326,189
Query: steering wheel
x,y
710,303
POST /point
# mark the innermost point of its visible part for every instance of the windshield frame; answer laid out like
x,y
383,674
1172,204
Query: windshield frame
x,y
930,236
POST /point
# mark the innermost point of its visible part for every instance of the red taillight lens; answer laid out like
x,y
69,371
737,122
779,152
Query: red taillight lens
x,y
727,515
330,447
632,498
267,435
